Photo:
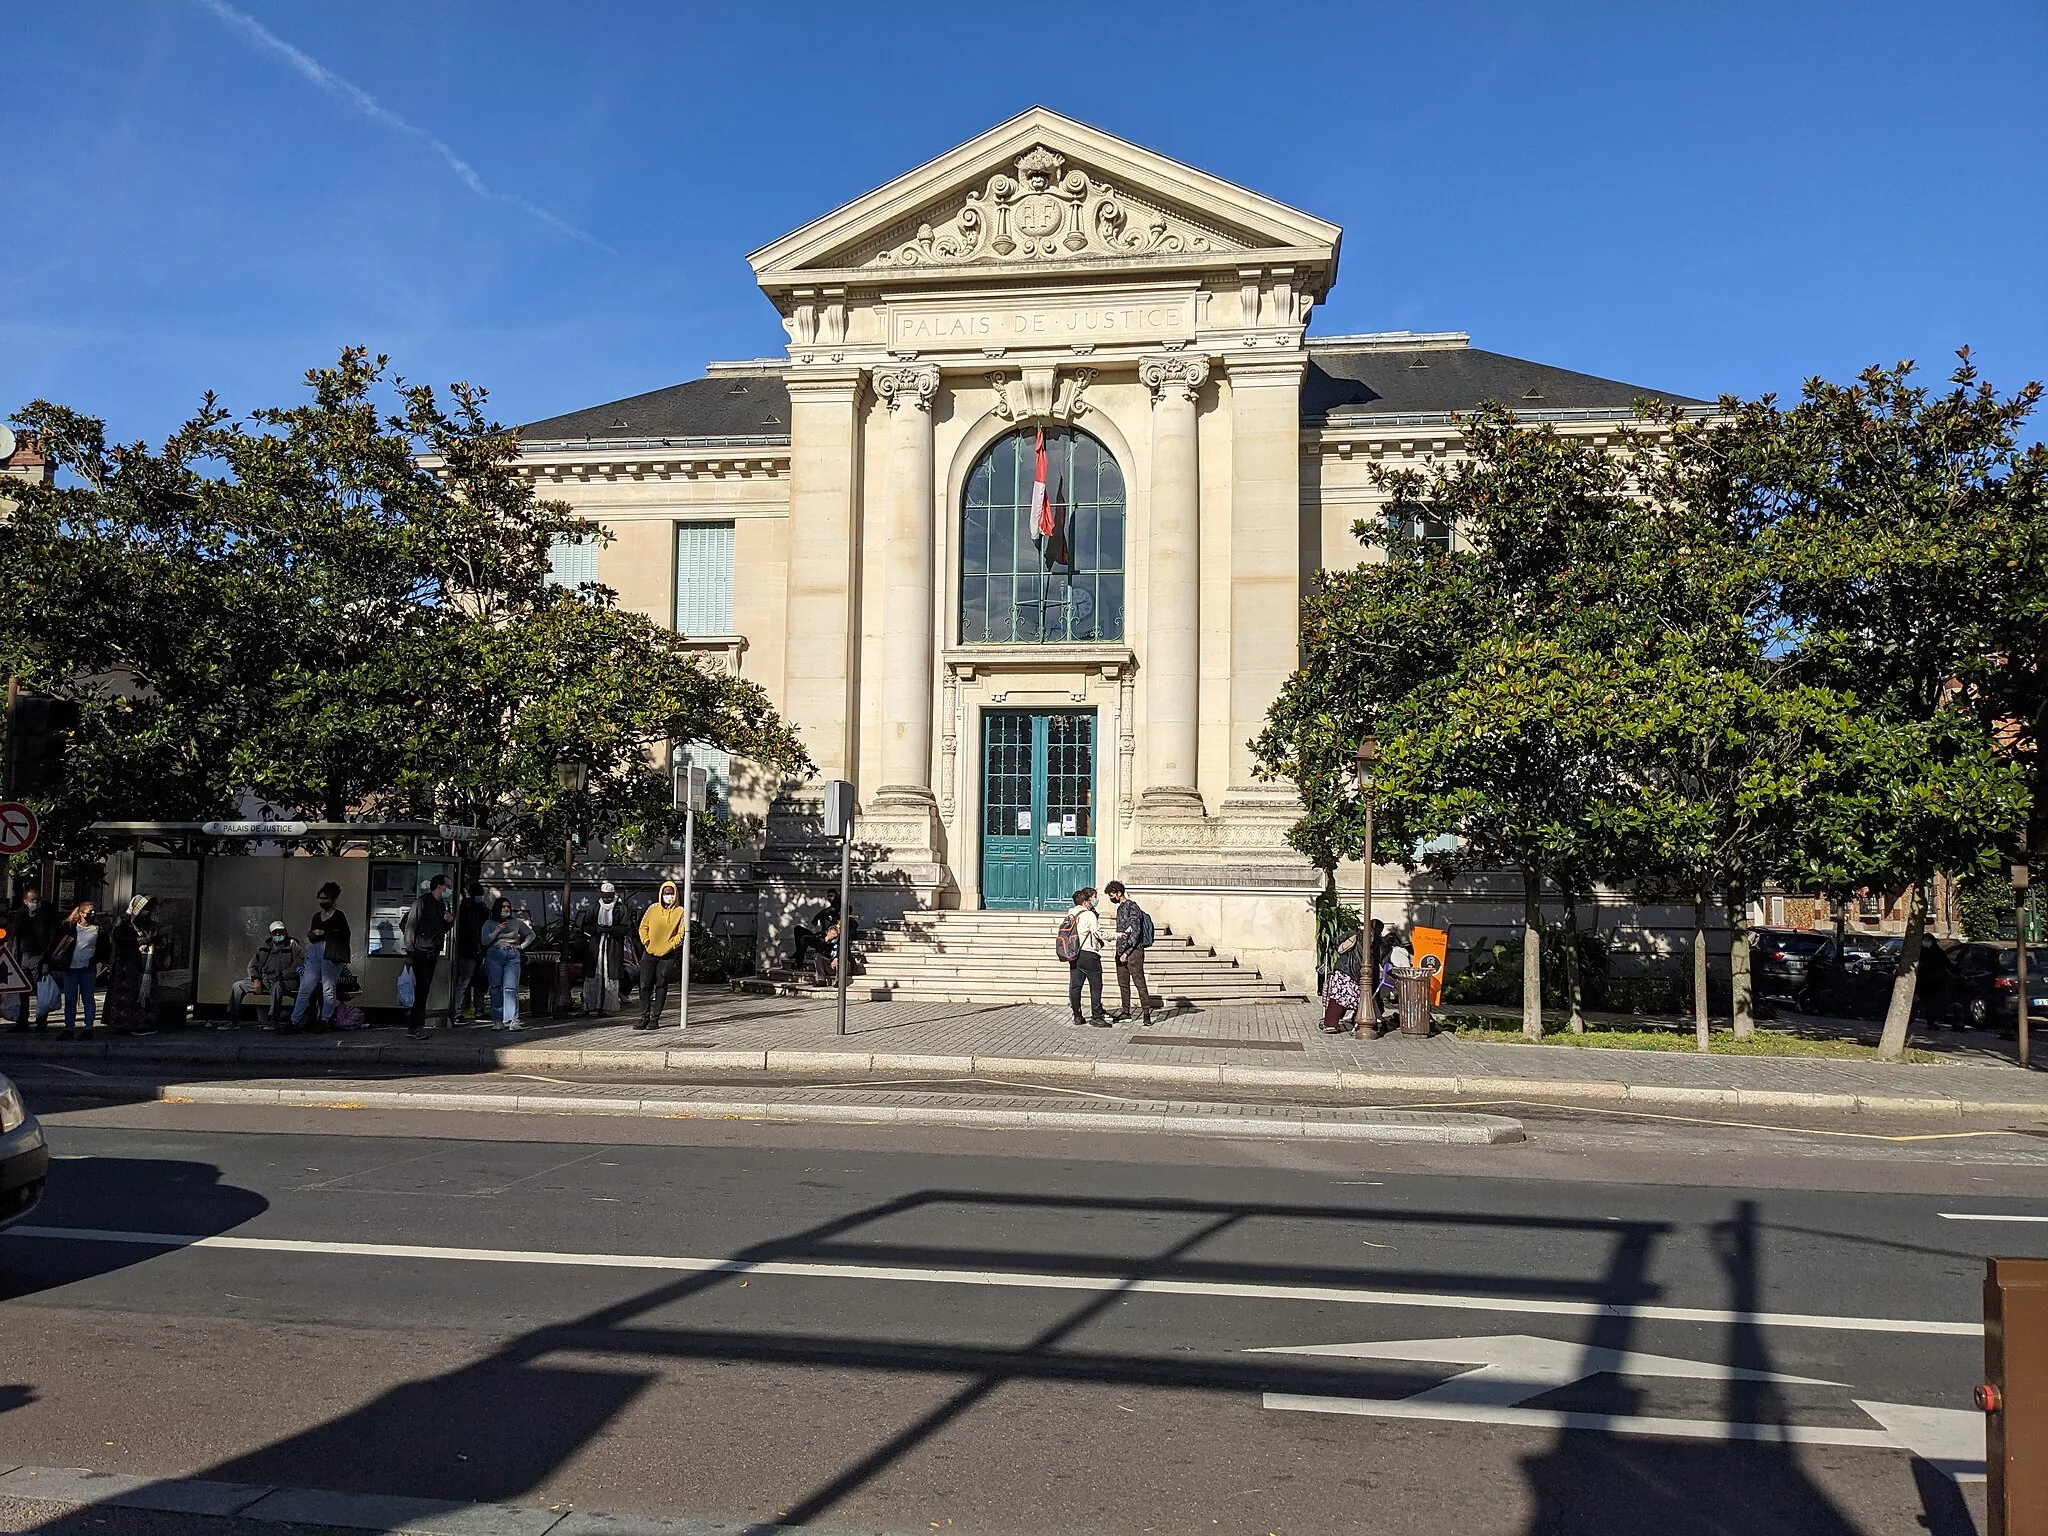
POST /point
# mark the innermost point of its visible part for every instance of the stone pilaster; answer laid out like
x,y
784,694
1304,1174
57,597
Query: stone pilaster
x,y
1172,657
902,815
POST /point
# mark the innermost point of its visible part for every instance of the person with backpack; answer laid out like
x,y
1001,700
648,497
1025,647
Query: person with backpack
x,y
1079,943
1134,935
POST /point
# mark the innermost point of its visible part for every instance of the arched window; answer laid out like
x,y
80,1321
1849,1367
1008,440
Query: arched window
x,y
1019,584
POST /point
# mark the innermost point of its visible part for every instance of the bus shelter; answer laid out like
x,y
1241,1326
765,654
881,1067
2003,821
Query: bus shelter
x,y
218,885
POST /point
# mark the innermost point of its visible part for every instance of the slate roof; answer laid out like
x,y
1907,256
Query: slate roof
x,y
1355,384
723,405
1394,381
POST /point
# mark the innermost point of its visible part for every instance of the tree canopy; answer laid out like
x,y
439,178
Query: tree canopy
x,y
343,607
1727,649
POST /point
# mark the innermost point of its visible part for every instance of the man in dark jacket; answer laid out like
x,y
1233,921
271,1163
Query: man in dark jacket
x,y
1133,937
273,972
470,918
32,928
425,931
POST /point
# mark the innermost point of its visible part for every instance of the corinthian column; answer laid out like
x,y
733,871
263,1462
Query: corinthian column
x,y
907,677
1172,588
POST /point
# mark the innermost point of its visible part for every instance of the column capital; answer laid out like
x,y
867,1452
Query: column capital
x,y
1175,375
911,384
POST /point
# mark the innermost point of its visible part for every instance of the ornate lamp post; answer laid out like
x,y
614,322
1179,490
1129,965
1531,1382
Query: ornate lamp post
x,y
1368,992
574,777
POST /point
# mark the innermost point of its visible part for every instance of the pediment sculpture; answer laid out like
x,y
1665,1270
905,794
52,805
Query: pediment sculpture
x,y
1043,213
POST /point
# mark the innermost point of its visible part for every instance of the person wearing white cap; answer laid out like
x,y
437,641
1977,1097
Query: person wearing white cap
x,y
603,929
273,972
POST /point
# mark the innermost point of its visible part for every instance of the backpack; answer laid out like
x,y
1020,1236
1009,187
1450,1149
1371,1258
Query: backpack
x,y
1067,943
1146,933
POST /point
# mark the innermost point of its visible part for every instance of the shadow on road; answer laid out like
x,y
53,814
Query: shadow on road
x,y
106,1192
524,1411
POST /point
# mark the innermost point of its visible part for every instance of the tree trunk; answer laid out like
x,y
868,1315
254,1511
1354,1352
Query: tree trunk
x,y
1701,1031
1892,1044
1532,954
1740,987
1571,963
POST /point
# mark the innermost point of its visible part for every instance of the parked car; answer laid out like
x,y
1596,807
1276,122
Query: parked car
x,y
24,1159
1858,983
1778,959
1987,985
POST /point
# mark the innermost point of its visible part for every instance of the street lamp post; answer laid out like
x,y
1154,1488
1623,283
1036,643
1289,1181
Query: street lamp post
x,y
1369,986
2019,933
574,777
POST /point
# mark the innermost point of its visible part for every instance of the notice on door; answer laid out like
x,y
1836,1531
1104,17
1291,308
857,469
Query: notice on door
x,y
1069,822
1024,822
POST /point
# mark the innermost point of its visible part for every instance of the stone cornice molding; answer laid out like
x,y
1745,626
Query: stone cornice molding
x,y
914,386
1177,375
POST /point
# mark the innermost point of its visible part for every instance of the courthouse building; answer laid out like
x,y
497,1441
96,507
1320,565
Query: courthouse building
x,y
851,524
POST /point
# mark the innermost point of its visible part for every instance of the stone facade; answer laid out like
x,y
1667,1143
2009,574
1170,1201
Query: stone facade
x,y
1045,273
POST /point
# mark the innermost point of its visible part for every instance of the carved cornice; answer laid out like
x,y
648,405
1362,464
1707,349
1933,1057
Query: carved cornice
x,y
1178,375
1045,212
914,385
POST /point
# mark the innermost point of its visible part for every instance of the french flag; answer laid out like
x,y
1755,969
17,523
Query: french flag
x,y
1041,509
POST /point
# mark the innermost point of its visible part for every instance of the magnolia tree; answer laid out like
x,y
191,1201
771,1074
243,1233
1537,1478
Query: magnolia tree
x,y
343,607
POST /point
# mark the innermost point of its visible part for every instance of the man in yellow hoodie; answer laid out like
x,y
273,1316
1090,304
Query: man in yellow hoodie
x,y
661,945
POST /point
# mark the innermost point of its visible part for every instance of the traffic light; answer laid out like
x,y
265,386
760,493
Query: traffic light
x,y
38,730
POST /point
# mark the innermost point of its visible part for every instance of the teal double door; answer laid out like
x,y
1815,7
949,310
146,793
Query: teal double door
x,y
1037,808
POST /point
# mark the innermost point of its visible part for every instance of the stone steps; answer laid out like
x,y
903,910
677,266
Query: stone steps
x,y
1008,957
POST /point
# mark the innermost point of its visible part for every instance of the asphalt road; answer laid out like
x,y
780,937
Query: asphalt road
x,y
960,1332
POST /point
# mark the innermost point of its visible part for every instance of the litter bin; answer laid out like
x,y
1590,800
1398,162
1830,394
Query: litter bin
x,y
1411,998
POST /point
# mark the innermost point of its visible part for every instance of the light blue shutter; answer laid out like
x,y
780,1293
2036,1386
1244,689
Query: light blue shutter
x,y
704,578
572,563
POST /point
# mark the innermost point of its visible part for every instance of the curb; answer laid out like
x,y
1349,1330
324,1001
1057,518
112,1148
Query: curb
x,y
1607,1091
377,1512
1454,1128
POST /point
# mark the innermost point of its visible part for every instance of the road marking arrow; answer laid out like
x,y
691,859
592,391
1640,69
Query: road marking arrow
x,y
1507,1370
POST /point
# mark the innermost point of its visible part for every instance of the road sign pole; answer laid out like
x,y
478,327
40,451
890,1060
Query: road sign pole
x,y
689,871
845,922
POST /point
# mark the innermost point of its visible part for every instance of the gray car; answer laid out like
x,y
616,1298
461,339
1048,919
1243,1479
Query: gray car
x,y
24,1159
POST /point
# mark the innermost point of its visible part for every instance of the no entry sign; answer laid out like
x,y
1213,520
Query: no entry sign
x,y
17,827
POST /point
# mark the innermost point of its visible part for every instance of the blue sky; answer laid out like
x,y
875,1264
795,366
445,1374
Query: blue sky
x,y
556,200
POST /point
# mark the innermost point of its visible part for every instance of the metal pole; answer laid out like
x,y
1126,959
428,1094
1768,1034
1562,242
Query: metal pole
x,y
561,997
2019,930
1369,988
845,921
689,870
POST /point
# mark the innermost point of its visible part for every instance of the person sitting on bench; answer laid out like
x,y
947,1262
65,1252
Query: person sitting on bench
x,y
273,972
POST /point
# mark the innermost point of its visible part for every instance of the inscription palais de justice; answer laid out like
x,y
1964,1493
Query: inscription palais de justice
x,y
1012,325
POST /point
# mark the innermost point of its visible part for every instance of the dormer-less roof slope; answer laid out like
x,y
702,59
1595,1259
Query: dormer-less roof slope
x,y
1379,381
722,407
1132,206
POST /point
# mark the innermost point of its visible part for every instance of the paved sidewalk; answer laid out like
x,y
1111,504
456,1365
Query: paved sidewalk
x,y
1261,1045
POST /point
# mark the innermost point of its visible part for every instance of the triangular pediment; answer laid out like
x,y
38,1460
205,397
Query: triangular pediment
x,y
1045,191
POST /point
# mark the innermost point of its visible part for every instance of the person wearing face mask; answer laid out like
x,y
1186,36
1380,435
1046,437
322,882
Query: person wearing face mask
x,y
426,935
602,930
31,931
661,944
506,937
132,945
273,970
327,951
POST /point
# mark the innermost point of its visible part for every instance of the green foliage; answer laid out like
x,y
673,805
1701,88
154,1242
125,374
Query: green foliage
x,y
1333,921
1807,645
342,606
1493,971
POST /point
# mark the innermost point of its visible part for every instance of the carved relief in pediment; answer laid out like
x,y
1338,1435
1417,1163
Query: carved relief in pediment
x,y
1046,212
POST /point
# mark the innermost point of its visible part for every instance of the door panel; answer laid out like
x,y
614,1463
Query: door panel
x,y
1038,808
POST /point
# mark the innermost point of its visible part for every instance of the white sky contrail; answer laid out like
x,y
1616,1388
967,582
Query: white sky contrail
x,y
351,95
